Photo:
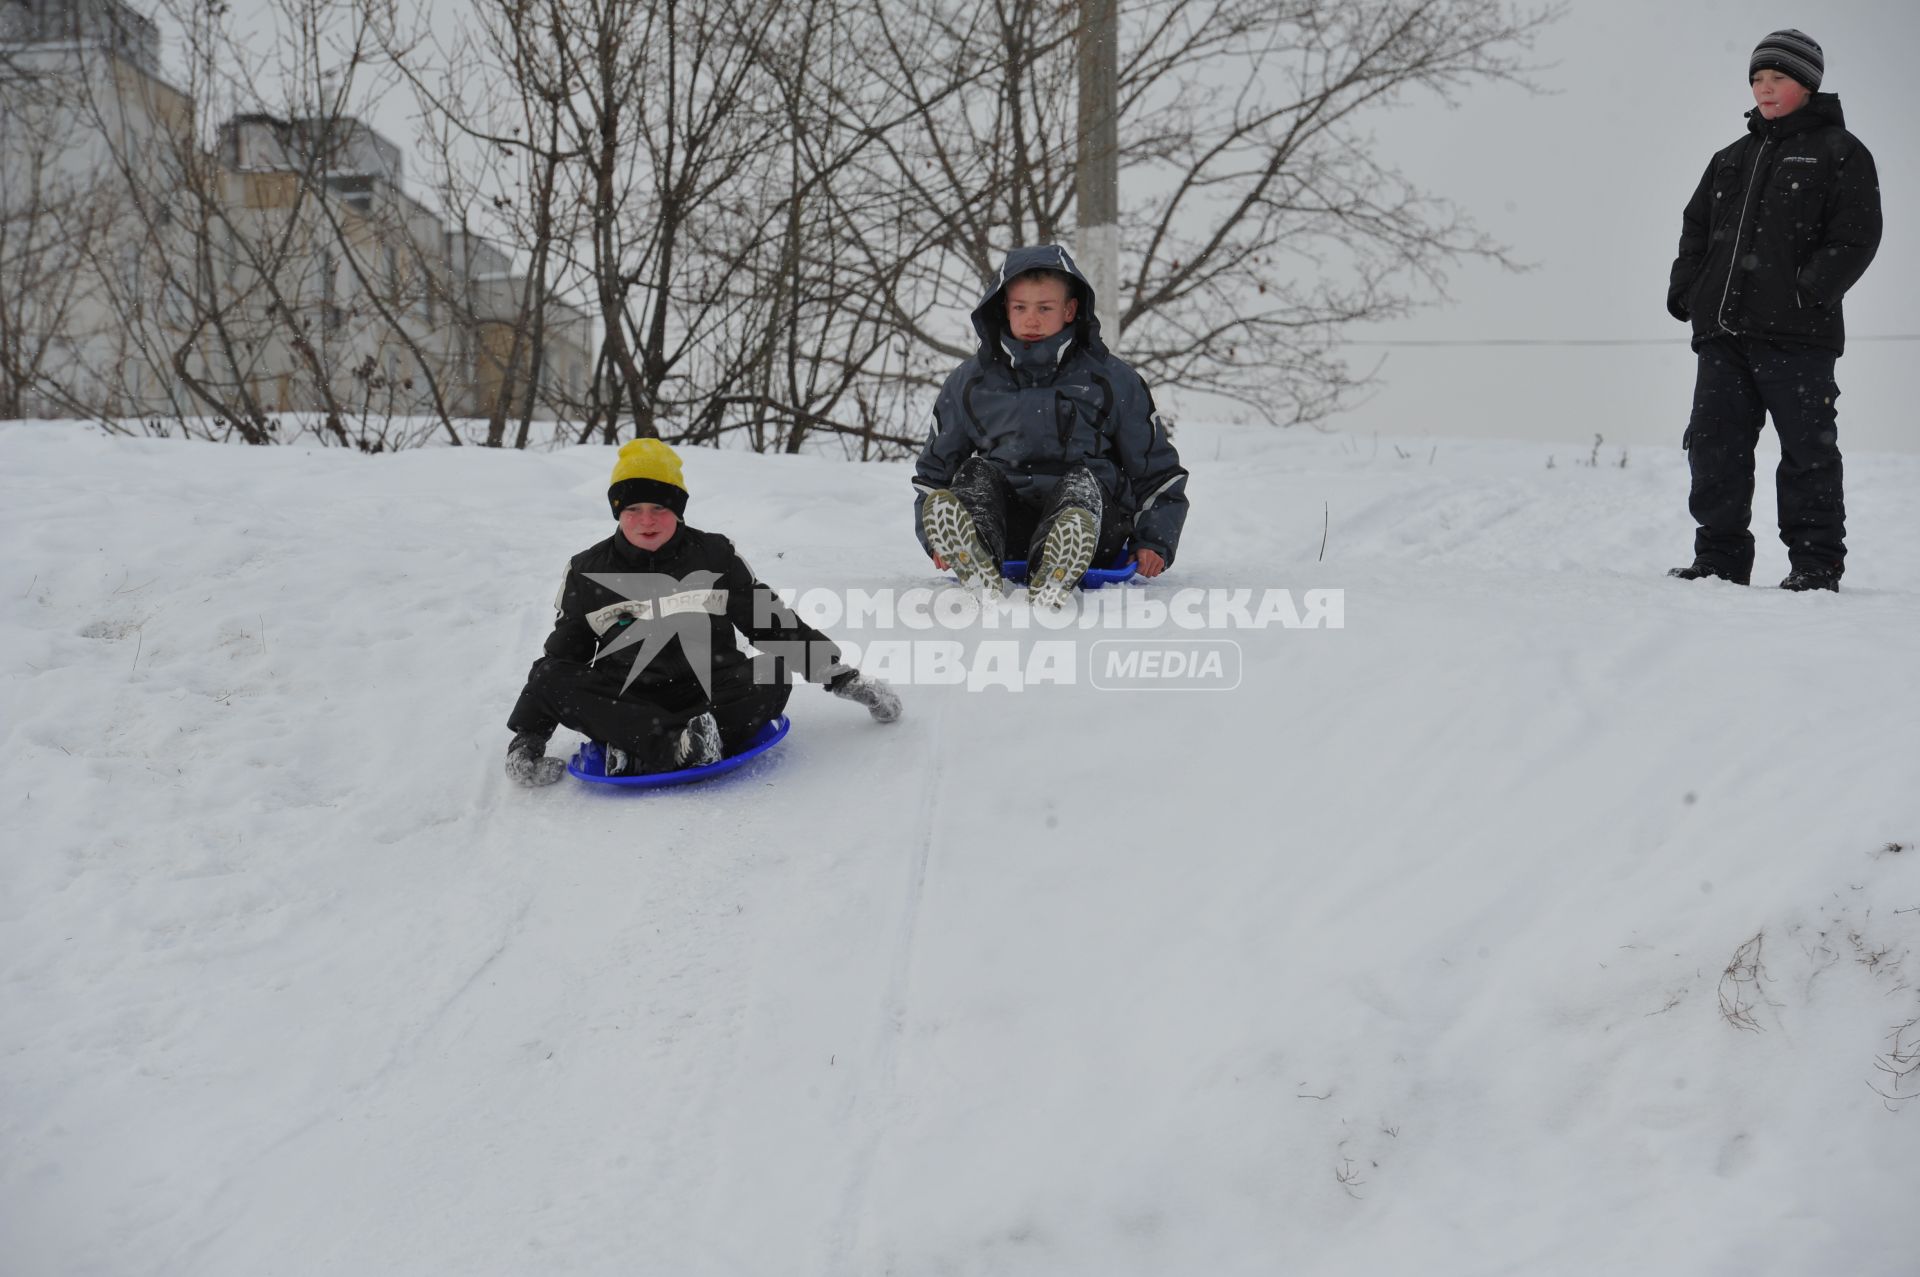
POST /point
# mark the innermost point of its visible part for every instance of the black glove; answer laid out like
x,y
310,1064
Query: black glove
x,y
880,700
527,763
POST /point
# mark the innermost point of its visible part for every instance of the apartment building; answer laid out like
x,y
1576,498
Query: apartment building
x,y
286,269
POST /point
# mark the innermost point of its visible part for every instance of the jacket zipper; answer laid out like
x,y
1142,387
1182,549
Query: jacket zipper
x,y
1738,227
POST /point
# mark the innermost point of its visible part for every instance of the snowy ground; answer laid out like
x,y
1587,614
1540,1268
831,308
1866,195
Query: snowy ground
x,y
1420,952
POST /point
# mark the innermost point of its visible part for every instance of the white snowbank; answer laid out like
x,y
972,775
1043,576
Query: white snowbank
x,y
1415,953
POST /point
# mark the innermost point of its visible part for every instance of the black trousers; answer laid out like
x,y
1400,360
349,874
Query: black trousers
x,y
1006,522
1739,383
647,721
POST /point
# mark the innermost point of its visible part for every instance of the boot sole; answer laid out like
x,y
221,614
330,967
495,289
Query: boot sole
x,y
951,533
1688,574
1064,558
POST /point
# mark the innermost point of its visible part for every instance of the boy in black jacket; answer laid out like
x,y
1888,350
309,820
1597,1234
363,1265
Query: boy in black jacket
x,y
1783,223
1045,443
642,656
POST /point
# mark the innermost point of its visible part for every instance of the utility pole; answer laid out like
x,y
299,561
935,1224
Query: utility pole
x,y
1096,177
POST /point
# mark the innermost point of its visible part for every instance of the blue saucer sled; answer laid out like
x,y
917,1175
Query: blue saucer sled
x,y
1123,569
589,762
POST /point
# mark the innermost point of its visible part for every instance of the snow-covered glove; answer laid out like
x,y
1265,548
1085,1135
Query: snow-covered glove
x,y
527,763
881,701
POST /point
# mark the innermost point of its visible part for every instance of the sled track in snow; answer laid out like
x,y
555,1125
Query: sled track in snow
x,y
875,1110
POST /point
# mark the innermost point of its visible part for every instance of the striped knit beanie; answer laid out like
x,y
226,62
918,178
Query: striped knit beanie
x,y
1793,52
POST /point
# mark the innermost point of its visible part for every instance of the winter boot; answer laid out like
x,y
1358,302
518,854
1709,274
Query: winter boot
x,y
951,533
1064,557
1812,579
1701,568
699,742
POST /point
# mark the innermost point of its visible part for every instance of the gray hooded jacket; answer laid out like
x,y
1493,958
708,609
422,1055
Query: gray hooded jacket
x,y
1036,417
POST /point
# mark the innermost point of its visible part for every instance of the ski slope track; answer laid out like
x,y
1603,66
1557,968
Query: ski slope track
x,y
1548,916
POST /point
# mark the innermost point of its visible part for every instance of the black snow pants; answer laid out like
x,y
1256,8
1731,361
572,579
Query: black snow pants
x,y
1005,522
646,721
1740,382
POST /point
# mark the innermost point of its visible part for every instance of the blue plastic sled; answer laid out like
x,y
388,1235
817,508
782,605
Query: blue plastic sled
x,y
589,762
1123,569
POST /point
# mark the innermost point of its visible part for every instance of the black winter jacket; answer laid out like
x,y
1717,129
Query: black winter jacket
x,y
1035,419
692,572
1783,223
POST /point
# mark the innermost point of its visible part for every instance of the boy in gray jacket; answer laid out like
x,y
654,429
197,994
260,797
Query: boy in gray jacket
x,y
1045,442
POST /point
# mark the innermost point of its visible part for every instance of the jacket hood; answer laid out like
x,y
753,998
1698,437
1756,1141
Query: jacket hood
x,y
1821,109
990,316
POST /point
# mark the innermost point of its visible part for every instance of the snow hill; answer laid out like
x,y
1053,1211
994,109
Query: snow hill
x,y
1548,917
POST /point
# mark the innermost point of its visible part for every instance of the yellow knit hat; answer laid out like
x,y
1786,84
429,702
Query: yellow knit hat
x,y
647,472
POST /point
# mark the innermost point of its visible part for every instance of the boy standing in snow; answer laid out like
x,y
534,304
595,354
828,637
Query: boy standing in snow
x,y
1045,443
669,597
1783,223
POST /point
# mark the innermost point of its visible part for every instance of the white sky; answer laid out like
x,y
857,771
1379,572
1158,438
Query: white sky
x,y
1588,184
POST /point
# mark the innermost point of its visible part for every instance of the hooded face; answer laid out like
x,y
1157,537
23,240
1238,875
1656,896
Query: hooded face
x,y
1039,308
648,526
1777,94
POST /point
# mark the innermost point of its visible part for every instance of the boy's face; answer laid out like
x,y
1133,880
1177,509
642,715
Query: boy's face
x,y
1776,93
1039,308
648,526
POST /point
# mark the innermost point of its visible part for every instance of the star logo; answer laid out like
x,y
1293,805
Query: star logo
x,y
656,609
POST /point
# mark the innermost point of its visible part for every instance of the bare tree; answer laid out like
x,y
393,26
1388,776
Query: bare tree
x,y
610,152
1256,219
778,212
264,260
370,348
828,359
497,141
672,107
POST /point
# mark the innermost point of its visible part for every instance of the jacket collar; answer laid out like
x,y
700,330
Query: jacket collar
x,y
1821,110
1038,359
669,549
